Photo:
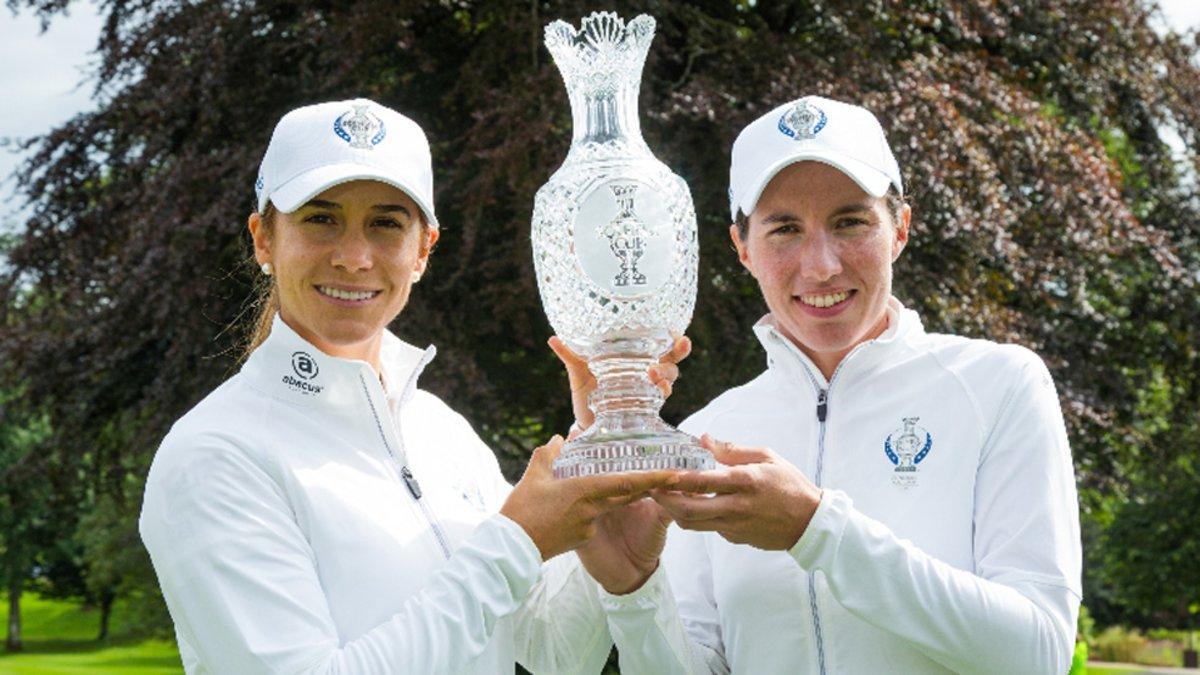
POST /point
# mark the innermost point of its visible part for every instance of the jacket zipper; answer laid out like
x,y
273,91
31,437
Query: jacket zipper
x,y
414,488
822,415
410,481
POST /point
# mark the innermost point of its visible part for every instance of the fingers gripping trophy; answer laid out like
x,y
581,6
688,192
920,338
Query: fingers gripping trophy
x,y
614,247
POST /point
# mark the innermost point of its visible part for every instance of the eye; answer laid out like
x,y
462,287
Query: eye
x,y
388,222
847,223
319,219
785,228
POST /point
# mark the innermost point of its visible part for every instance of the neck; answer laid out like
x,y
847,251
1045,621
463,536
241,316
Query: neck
x,y
367,350
828,362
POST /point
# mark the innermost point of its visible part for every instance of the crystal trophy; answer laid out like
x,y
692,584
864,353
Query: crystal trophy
x,y
614,247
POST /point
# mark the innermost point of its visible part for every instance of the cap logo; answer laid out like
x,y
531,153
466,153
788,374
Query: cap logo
x,y
802,121
360,128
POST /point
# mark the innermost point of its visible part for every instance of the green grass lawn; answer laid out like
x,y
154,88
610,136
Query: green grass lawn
x,y
60,640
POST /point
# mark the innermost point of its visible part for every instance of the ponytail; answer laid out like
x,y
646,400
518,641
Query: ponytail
x,y
266,305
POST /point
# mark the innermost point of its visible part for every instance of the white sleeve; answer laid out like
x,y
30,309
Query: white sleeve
x,y
1017,612
654,634
240,580
560,627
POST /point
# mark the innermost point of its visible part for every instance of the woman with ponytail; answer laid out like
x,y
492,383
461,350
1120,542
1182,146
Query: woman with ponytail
x,y
318,512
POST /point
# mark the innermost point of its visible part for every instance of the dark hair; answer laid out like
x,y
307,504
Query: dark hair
x,y
266,305
895,204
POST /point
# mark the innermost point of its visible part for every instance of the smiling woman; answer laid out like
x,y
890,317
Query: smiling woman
x,y
344,265
916,512
320,513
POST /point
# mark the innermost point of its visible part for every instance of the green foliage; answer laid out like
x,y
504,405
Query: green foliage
x,y
1121,645
1151,548
1085,626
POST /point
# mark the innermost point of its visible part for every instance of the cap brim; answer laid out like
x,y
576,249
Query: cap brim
x,y
297,191
873,181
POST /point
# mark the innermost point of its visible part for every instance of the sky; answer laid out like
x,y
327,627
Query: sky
x,y
44,76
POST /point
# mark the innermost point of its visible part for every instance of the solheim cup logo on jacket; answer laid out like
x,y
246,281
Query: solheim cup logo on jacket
x,y
907,447
305,367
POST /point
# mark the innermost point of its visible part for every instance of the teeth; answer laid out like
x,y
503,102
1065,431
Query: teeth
x,y
824,300
346,295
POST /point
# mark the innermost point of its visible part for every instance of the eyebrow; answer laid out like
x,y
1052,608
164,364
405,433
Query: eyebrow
x,y
852,208
789,217
378,208
388,208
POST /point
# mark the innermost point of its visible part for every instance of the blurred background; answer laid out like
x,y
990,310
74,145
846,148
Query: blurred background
x,y
1051,152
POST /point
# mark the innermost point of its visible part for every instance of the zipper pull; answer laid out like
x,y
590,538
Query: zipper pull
x,y
822,406
409,479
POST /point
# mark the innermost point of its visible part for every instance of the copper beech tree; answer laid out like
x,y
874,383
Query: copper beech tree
x,y
1049,208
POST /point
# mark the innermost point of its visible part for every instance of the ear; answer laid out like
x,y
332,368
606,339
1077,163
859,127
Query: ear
x,y
262,239
901,239
743,252
429,238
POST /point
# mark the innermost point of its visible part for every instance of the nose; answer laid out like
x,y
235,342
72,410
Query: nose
x,y
352,252
819,259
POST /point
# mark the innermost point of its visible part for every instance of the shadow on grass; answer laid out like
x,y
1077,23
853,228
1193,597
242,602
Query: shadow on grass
x,y
72,646
121,663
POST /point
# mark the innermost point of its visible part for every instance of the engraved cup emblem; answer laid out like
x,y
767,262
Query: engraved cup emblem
x,y
627,236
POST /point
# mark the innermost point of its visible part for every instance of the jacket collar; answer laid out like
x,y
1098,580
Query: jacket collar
x,y
291,369
785,358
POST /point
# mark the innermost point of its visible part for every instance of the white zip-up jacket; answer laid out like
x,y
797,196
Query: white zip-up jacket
x,y
302,520
946,539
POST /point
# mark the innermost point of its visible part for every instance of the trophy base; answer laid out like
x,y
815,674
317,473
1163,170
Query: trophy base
x,y
598,451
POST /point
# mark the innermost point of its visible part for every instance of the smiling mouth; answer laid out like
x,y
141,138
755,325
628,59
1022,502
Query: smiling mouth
x,y
824,300
353,296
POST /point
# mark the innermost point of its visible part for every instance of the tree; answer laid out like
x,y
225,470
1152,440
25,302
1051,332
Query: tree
x,y
1049,211
23,503
1151,549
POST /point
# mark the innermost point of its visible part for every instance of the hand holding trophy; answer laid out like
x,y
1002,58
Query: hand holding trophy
x,y
614,247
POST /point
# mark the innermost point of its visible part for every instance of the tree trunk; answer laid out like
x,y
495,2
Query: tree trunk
x,y
13,642
106,603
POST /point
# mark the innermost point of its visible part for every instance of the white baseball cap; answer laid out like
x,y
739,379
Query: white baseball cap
x,y
319,146
844,136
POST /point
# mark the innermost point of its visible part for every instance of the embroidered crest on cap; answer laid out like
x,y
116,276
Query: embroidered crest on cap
x,y
906,448
803,120
360,128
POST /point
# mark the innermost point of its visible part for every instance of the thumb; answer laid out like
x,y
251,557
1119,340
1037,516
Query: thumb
x,y
544,456
569,358
664,516
732,455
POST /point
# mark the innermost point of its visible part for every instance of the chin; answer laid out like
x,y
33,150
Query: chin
x,y
349,336
830,340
